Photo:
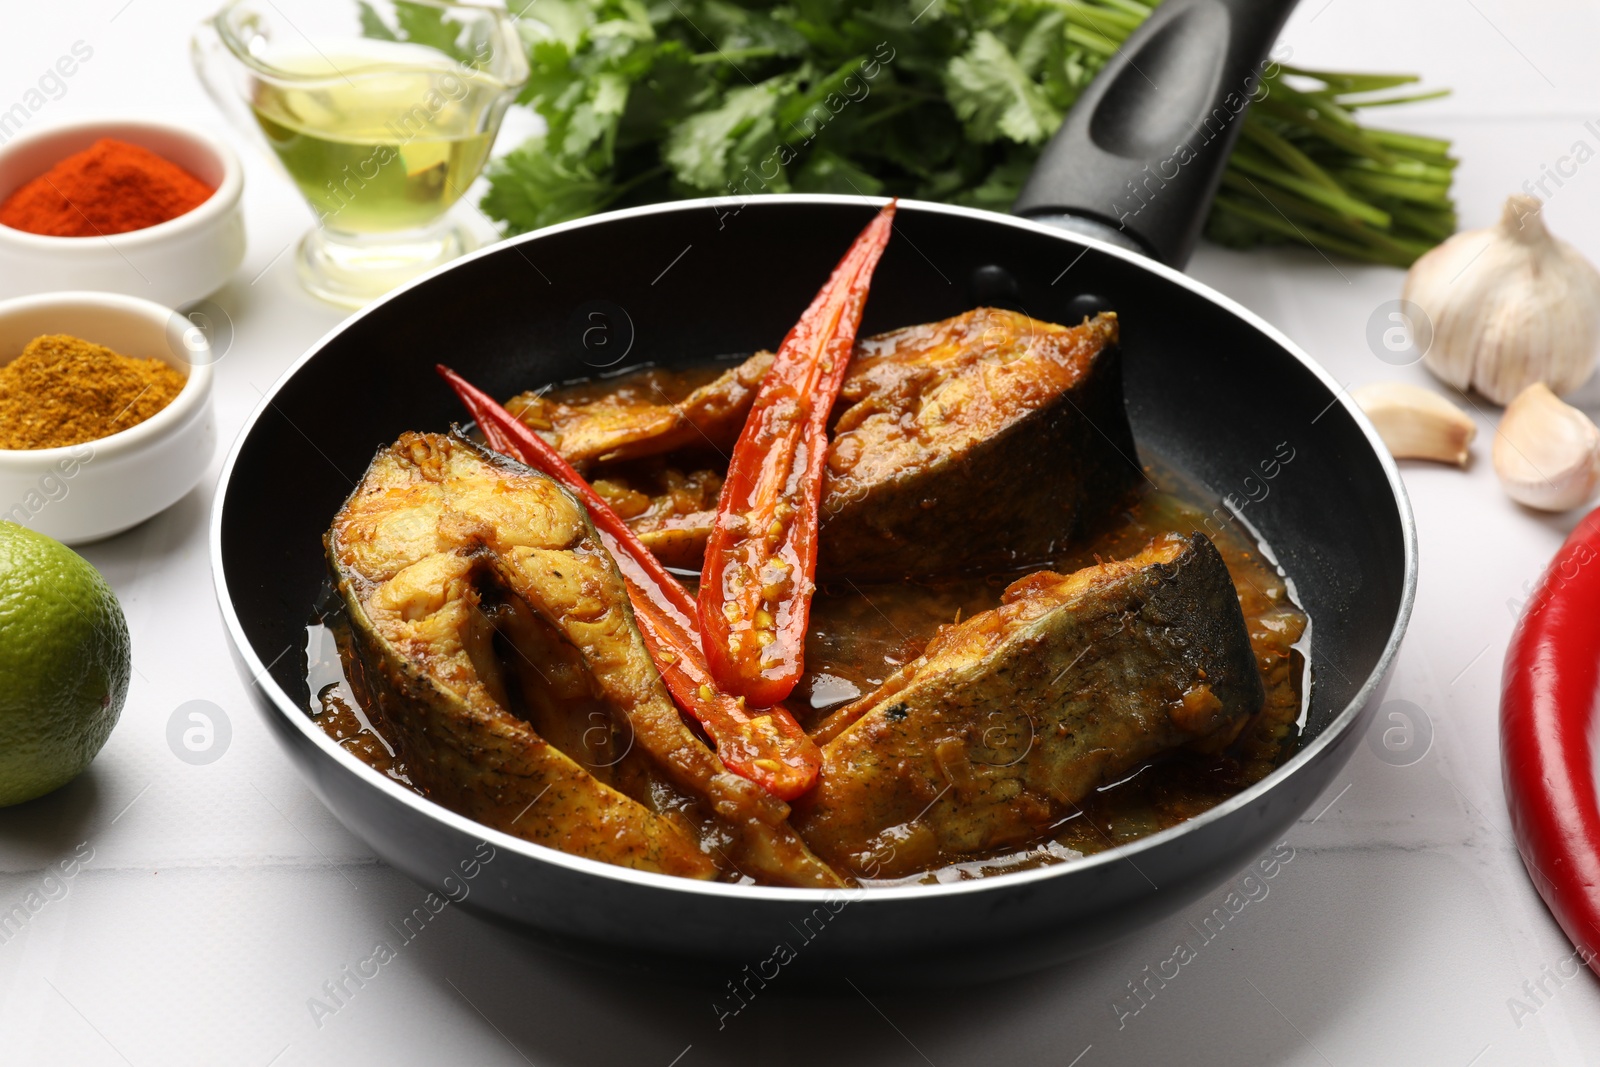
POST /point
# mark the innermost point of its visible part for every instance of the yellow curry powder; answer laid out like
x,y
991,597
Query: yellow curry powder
x,y
65,391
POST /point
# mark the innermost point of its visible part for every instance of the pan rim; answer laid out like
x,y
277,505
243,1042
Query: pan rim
x,y
755,894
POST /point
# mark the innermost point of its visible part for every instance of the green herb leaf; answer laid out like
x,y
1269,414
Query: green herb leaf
x,y
530,187
709,152
431,26
825,172
372,24
994,96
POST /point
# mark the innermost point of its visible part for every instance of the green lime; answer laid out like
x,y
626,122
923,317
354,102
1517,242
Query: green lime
x,y
64,663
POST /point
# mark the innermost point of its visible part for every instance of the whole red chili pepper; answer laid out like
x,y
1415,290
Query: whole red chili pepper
x,y
768,747
761,558
1549,709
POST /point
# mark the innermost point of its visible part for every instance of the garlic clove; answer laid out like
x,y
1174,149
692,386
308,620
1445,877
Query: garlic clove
x,y
1417,423
1509,305
1547,453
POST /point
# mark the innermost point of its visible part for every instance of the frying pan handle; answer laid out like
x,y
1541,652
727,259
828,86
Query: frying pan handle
x,y
1141,153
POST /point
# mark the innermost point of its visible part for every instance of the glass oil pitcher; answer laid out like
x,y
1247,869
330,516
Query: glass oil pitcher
x,y
382,114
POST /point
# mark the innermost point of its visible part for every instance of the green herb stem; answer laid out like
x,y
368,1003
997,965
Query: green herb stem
x,y
1334,199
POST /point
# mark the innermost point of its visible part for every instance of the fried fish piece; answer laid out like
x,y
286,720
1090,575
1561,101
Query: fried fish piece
x,y
671,510
990,738
497,651
987,439
679,540
622,427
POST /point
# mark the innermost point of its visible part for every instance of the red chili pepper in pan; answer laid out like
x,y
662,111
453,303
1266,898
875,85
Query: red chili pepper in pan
x,y
757,581
768,747
1549,709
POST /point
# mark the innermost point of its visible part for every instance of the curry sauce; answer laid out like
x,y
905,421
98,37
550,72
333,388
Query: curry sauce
x,y
862,632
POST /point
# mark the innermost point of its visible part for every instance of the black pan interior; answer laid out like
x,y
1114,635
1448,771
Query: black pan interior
x,y
1205,388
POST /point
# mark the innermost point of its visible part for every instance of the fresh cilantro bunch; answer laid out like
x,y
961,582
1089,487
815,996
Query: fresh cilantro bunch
x,y
947,100
648,102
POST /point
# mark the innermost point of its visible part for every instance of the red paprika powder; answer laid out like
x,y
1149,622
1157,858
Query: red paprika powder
x,y
110,187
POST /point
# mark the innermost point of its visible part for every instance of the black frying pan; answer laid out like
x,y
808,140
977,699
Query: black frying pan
x,y
1209,386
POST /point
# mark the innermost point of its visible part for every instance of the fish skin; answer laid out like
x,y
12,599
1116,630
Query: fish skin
x,y
989,739
436,519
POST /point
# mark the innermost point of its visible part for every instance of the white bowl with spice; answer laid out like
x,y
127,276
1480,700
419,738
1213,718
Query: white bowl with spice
x,y
130,195
93,442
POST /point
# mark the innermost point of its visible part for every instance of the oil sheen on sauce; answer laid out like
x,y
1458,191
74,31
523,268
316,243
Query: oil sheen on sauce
x,y
862,632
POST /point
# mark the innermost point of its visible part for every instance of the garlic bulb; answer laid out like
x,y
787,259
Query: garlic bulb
x,y
1416,423
1509,305
1547,453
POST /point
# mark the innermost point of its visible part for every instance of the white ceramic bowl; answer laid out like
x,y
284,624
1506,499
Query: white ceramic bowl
x,y
86,492
173,263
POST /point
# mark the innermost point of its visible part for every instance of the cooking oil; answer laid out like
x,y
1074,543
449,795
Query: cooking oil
x,y
379,136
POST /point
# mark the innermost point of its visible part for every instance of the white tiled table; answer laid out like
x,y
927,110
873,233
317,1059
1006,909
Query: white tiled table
x,y
219,898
